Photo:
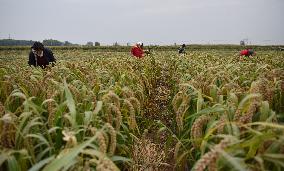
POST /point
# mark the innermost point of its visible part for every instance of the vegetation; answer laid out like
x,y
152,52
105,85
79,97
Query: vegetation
x,y
12,42
29,43
51,42
109,111
118,48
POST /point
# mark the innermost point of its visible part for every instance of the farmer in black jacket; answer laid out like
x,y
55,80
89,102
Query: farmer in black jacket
x,y
181,50
41,56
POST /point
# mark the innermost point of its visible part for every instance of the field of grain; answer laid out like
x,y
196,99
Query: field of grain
x,y
109,111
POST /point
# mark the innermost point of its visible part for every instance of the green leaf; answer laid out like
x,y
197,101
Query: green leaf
x,y
40,137
199,102
88,117
70,103
58,115
34,122
275,161
98,107
253,148
40,164
274,156
3,157
246,99
233,161
120,158
161,130
43,153
13,165
37,109
23,121
213,92
214,109
19,94
264,111
272,125
67,156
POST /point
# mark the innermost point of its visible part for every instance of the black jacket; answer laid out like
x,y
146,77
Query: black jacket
x,y
47,54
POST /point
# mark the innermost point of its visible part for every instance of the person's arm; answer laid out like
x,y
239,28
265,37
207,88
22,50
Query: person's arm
x,y
31,59
50,56
141,53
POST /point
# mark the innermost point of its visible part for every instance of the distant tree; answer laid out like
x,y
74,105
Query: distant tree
x,y
242,42
12,42
66,43
128,44
51,42
90,44
47,42
97,44
115,44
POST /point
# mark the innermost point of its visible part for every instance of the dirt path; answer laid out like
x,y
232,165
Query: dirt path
x,y
158,109
159,101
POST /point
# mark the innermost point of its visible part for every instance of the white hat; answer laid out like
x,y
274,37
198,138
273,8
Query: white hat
x,y
139,43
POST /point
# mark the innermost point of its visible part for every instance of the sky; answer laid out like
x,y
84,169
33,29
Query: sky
x,y
150,21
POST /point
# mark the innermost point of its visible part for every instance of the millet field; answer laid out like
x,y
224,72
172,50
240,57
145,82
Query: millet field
x,y
106,111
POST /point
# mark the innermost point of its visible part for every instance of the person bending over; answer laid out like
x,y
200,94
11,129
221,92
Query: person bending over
x,y
40,56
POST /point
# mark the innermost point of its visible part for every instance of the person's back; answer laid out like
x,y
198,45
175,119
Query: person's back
x,y
137,51
247,52
244,52
181,50
40,56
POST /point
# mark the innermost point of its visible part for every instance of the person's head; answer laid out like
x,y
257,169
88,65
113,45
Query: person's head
x,y
37,48
139,44
183,45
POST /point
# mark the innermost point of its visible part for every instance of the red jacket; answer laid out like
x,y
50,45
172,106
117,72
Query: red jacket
x,y
244,52
137,51
247,52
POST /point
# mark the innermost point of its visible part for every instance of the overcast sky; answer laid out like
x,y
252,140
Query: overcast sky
x,y
149,21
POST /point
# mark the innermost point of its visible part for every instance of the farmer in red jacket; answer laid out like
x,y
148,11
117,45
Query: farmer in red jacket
x,y
246,52
137,50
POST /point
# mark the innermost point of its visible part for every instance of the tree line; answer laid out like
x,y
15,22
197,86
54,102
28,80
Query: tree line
x,y
46,42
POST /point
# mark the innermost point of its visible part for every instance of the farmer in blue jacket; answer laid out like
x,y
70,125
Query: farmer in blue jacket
x,y
41,56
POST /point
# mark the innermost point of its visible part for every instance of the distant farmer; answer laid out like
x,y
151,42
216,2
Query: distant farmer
x,y
247,52
181,50
137,50
40,56
147,52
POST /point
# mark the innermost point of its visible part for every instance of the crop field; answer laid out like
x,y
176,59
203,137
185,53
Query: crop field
x,y
106,111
